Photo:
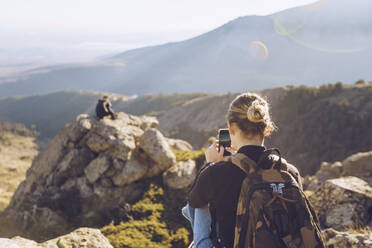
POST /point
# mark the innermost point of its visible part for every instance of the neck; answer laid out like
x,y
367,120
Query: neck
x,y
246,142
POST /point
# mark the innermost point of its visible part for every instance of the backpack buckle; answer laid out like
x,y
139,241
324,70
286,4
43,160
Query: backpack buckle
x,y
277,187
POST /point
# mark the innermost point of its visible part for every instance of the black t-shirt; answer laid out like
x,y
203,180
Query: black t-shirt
x,y
219,186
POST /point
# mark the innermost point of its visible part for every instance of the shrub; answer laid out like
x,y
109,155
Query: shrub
x,y
197,155
155,222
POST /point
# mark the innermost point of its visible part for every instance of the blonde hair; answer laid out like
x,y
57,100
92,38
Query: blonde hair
x,y
251,114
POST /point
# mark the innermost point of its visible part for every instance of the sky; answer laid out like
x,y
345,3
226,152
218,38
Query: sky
x,y
130,16
36,33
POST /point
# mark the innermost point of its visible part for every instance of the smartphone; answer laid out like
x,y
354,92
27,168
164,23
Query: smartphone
x,y
224,140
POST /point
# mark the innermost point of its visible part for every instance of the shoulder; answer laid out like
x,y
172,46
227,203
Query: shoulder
x,y
292,169
220,169
294,172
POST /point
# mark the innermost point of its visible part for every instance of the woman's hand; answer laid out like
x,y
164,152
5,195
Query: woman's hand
x,y
232,150
212,154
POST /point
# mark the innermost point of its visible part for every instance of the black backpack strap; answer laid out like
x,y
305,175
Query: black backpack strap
x,y
265,163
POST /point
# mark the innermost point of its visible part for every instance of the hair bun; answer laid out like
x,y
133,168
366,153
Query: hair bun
x,y
256,112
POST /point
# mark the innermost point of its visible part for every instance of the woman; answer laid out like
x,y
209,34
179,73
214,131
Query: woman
x,y
218,185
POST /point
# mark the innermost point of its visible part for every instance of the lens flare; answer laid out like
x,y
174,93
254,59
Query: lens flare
x,y
290,31
315,5
258,50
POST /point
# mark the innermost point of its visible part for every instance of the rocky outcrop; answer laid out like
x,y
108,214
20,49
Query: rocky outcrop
x,y
358,165
341,194
343,203
82,237
91,168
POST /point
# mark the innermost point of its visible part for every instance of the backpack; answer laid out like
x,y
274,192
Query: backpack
x,y
273,210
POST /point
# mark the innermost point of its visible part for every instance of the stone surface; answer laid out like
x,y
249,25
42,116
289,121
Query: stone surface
x,y
96,168
326,171
179,144
133,170
337,239
82,238
156,147
18,242
343,203
181,175
359,165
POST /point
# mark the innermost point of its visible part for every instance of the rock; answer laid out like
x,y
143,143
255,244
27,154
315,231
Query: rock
x,y
156,147
326,171
358,165
181,175
18,242
116,145
82,238
149,122
96,168
133,170
343,203
337,239
178,144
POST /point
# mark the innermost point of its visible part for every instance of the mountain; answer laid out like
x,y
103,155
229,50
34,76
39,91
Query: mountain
x,y
315,124
324,42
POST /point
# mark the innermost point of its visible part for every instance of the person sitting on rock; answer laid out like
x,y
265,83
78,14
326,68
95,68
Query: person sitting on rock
x,y
104,108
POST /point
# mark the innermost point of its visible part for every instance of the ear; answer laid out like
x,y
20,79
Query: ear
x,y
232,128
267,132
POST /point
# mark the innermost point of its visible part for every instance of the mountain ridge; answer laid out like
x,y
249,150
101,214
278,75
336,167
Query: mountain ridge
x,y
302,45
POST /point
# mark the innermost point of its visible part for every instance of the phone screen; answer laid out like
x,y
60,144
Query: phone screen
x,y
224,139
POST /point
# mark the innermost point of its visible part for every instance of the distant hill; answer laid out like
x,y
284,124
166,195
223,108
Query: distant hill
x,y
50,112
315,44
316,124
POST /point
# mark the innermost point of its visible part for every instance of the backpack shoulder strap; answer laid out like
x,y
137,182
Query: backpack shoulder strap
x,y
244,163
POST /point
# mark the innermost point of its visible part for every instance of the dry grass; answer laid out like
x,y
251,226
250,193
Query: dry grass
x,y
16,155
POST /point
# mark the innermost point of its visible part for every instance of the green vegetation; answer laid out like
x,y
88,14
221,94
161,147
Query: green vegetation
x,y
197,155
155,222
326,123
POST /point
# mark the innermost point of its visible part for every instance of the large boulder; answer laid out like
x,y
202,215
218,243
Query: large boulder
x,y
178,144
343,203
181,175
18,242
326,171
82,237
130,171
91,168
96,168
155,145
359,165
